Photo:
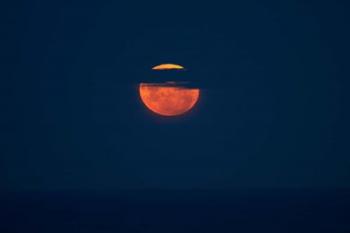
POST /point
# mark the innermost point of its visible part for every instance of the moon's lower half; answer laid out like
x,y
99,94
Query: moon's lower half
x,y
168,100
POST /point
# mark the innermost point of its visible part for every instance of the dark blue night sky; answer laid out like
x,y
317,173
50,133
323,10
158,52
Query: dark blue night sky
x,y
265,150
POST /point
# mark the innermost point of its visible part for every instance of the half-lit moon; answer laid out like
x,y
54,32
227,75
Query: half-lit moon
x,y
168,100
168,67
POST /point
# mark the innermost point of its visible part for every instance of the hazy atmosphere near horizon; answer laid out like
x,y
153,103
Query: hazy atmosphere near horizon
x,y
241,123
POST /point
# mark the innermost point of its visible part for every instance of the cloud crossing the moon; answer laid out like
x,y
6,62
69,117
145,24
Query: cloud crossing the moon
x,y
168,98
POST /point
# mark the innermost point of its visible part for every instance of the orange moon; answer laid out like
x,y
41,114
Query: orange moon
x,y
167,99
168,67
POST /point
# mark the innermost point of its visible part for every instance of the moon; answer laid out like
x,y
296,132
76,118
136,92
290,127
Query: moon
x,y
168,99
168,67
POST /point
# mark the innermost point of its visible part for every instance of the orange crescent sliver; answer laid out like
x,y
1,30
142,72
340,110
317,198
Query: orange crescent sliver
x,y
168,67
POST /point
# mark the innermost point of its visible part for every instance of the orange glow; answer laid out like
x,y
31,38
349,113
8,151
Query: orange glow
x,y
168,100
168,67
